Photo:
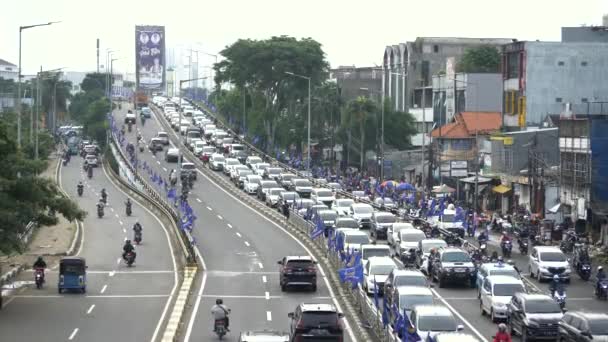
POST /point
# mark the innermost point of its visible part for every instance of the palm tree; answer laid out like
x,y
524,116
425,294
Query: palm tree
x,y
357,112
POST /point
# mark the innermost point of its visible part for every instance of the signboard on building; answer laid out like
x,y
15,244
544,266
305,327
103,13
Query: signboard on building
x,y
150,57
581,211
458,164
458,173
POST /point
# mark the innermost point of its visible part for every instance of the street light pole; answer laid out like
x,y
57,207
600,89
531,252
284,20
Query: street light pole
x,y
18,104
309,97
381,128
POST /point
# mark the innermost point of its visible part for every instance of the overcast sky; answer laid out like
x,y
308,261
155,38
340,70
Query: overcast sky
x,y
352,32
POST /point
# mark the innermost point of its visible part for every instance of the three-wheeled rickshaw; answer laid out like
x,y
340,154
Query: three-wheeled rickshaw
x,y
72,274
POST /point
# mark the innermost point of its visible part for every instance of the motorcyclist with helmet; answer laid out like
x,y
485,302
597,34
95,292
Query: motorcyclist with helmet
x,y
128,248
40,264
555,286
601,276
104,195
80,187
220,312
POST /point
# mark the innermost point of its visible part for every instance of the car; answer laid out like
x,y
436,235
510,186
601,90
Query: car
x,y
91,160
362,213
407,297
489,269
207,152
91,149
272,173
216,162
375,273
272,196
453,265
155,144
335,187
455,337
146,112
188,170
393,233
548,261
130,118
327,216
251,184
430,320
172,155
236,168
259,168
252,160
192,134
408,239
229,163
321,195
263,336
284,179
198,147
360,195
240,155
302,205
578,326
534,316
288,197
354,239
297,271
384,203
424,250
164,137
302,186
234,148
241,176
342,206
399,277
496,292
313,209
381,221
309,322
265,186
371,250
346,222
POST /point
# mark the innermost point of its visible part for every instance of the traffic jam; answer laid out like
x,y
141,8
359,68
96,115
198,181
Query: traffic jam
x,y
449,280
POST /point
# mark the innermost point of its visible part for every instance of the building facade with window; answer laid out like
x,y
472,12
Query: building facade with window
x,y
542,78
8,70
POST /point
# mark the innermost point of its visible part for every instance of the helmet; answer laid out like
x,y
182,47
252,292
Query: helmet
x,y
40,258
219,301
600,268
556,277
504,233
500,259
502,327
128,241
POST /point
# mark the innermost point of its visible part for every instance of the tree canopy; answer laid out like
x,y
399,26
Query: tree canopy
x,y
90,106
482,59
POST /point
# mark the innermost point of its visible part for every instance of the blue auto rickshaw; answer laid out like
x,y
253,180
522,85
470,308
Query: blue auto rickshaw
x,y
72,274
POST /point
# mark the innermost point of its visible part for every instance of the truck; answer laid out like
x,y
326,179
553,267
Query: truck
x,y
140,99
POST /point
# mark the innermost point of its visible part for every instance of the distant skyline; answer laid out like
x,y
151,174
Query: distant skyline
x,y
351,32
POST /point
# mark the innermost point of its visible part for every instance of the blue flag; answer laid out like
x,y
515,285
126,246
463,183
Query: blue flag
x,y
375,292
171,194
319,228
409,332
385,317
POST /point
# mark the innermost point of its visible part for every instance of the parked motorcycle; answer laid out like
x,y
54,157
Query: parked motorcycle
x,y
39,277
90,172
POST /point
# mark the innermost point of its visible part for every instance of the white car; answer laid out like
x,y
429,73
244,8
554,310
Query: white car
x,y
425,247
272,197
547,261
198,147
342,206
370,250
216,162
376,271
91,160
408,297
164,137
496,293
362,213
259,168
192,142
353,238
229,164
252,182
409,239
393,232
252,160
234,170
323,196
430,320
360,195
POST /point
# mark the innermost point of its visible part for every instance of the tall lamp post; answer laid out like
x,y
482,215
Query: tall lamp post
x,y
21,29
39,96
308,138
381,129
179,156
111,83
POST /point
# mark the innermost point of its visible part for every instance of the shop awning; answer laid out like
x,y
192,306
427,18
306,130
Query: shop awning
x,y
501,189
554,209
471,180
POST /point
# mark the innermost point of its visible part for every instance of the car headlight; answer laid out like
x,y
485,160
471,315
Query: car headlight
x,y
531,324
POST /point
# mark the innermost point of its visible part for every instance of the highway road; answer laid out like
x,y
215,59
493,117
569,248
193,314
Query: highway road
x,y
121,303
240,248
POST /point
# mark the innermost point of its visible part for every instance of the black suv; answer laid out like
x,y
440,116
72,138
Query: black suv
x,y
315,322
297,270
533,316
381,220
453,265
583,327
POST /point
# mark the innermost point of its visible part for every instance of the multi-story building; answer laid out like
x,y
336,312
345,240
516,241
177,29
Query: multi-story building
x,y
540,77
587,33
8,70
409,67
354,82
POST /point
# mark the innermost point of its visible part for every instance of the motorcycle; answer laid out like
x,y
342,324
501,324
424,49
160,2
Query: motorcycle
x,y
39,277
507,247
80,190
130,127
535,240
99,212
104,198
137,238
523,246
584,271
560,298
220,328
90,172
603,289
409,258
128,209
65,162
483,249
130,259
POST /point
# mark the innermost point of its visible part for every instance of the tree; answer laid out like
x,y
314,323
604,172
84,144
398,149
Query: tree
x,y
25,196
357,113
398,127
484,59
92,81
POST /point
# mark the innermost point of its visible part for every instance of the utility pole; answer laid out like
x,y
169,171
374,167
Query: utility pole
x,y
423,134
37,114
476,193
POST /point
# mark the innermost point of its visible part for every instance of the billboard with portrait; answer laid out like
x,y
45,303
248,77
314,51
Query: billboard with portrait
x,y
150,57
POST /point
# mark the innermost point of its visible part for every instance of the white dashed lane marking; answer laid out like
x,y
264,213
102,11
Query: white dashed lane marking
x,y
246,243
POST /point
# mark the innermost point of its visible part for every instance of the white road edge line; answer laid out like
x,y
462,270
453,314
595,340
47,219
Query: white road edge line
x,y
246,243
73,334
268,316
91,309
238,234
175,277
229,225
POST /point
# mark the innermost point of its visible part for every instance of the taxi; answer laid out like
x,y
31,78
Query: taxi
x,y
499,268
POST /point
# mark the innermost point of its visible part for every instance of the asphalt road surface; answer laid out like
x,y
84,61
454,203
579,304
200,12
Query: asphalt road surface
x,y
121,303
240,249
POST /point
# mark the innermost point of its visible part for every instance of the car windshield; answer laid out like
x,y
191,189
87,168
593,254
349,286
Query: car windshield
x,y
319,318
381,269
287,177
289,196
411,237
188,166
372,252
505,272
238,147
219,159
329,215
455,257
410,280
209,149
386,219
426,247
345,203
552,256
360,239
232,162
276,191
436,323
243,173
598,326
408,302
363,210
324,193
255,160
347,223
447,218
542,306
507,289
303,183
273,171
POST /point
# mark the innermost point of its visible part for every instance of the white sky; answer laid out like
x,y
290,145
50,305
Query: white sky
x,y
351,32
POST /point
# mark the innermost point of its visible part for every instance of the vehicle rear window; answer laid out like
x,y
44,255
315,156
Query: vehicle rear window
x,y
300,263
363,210
436,323
287,177
320,318
290,196
410,280
347,224
386,219
238,147
345,202
325,193
276,191
455,257
542,306
356,239
372,252
188,166
219,159
409,301
303,183
411,237
381,269
268,185
243,173
507,289
274,171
